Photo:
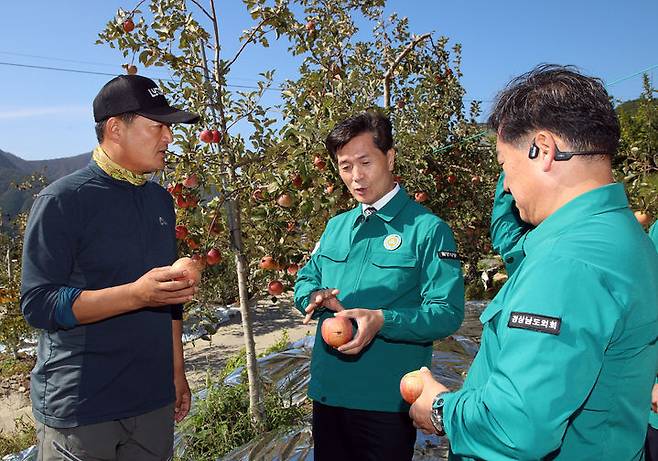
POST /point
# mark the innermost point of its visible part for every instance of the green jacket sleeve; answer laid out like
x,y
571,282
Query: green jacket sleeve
x,y
653,234
539,379
309,279
442,291
506,228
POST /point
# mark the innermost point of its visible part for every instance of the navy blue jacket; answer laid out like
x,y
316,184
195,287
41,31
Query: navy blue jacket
x,y
88,231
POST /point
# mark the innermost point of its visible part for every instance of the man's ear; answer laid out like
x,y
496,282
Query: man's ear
x,y
390,159
545,141
113,128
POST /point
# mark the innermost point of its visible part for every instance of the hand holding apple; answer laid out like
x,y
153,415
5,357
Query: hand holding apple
x,y
368,324
322,298
192,267
159,287
422,407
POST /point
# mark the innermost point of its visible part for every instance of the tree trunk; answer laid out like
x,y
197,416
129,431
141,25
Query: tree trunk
x,y
235,228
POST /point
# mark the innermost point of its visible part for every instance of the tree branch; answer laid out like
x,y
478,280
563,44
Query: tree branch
x,y
396,63
202,9
246,42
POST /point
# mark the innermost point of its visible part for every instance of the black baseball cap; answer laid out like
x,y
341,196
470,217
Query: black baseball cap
x,y
134,93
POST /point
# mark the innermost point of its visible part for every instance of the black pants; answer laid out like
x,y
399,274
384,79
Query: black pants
x,y
651,445
341,434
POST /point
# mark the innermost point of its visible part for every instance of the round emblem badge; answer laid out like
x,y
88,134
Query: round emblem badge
x,y
392,242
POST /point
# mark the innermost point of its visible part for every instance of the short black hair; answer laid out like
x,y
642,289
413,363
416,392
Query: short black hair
x,y
126,117
559,99
366,122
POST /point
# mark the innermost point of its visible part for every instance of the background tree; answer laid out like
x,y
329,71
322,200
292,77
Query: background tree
x,y
637,162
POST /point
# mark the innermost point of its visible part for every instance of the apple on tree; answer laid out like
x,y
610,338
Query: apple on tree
x,y
213,257
284,201
128,25
181,232
275,288
268,263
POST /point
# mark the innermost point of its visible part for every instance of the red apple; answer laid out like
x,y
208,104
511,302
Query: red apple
x,y
296,181
268,263
213,257
421,196
181,201
319,163
336,331
310,26
292,269
192,267
128,25
451,179
329,189
257,195
275,288
401,103
181,232
191,181
411,386
191,243
175,189
284,201
206,136
216,136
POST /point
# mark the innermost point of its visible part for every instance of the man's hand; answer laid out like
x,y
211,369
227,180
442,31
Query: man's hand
x,y
322,298
422,407
654,398
183,397
162,286
368,324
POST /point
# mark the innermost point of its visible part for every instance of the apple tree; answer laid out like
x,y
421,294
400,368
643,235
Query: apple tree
x,y
257,182
637,162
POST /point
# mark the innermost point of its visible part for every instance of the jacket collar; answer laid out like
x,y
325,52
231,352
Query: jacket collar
x,y
389,211
600,200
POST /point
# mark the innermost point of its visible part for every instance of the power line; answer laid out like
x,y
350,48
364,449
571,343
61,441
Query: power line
x,y
78,71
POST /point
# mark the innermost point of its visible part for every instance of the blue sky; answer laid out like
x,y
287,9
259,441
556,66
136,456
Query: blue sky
x,y
47,113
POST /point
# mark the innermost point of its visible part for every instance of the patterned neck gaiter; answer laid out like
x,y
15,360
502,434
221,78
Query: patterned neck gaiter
x,y
116,171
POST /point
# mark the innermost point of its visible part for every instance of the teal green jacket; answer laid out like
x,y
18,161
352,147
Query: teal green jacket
x,y
402,260
568,353
653,233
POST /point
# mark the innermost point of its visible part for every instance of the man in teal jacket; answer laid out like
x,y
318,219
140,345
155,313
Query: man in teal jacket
x,y
568,353
390,266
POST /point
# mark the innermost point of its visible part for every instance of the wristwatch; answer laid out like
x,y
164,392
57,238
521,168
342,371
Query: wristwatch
x,y
436,415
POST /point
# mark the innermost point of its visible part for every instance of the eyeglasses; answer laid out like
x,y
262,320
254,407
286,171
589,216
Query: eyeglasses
x,y
561,156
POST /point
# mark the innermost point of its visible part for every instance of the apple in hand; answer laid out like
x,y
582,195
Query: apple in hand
x,y
337,331
192,267
411,386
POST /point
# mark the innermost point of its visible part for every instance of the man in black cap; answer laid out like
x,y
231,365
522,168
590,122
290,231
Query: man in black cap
x,y
109,380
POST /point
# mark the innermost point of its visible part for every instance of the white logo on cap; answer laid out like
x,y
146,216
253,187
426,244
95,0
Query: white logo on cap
x,y
155,92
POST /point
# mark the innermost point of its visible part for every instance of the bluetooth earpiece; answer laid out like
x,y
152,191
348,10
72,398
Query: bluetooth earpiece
x,y
533,153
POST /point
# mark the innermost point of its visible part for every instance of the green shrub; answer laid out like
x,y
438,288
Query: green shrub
x,y
221,421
